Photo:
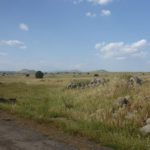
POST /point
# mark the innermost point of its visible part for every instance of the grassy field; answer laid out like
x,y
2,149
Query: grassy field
x,y
85,112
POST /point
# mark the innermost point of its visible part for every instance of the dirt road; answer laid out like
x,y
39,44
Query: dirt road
x,y
14,136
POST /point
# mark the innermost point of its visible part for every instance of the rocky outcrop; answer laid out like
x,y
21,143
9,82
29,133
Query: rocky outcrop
x,y
119,105
87,83
97,81
122,101
77,84
134,81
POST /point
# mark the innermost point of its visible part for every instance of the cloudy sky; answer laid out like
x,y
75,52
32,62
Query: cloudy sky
x,y
85,35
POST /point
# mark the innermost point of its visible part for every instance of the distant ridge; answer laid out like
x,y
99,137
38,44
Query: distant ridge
x,y
99,71
27,71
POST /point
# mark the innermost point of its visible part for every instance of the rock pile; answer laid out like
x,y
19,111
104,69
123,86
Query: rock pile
x,y
122,101
86,83
119,104
133,81
97,81
77,84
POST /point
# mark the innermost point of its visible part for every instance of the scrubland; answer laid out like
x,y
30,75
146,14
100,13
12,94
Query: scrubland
x,y
89,112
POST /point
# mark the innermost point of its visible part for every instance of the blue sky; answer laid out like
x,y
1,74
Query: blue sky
x,y
85,35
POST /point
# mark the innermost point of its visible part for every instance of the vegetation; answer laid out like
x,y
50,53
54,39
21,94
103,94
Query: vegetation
x,y
27,75
96,75
39,74
85,112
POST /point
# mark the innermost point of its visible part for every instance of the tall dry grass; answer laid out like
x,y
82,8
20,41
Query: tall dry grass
x,y
87,112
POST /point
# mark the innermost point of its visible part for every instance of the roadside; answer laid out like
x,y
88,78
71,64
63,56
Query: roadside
x,y
17,133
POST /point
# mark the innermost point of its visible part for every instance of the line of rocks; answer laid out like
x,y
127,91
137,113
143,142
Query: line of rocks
x,y
87,83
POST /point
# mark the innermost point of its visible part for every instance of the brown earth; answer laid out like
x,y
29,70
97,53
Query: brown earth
x,y
23,134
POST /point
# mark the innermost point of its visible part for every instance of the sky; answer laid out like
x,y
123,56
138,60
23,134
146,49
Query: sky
x,y
53,35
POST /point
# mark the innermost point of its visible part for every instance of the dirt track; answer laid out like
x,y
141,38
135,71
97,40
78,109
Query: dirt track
x,y
14,136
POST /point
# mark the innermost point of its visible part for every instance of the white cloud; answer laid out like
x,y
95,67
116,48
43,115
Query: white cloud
x,y
24,27
90,14
105,12
100,2
13,43
120,50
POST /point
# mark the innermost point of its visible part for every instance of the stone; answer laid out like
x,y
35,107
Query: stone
x,y
148,121
133,81
145,130
122,101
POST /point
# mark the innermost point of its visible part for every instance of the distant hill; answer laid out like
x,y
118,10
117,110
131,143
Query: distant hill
x,y
66,71
27,71
102,71
99,71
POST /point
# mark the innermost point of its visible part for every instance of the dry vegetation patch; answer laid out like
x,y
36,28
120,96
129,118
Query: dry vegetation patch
x,y
112,113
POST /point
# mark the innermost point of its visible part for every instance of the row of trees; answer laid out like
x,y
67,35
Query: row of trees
x,y
40,75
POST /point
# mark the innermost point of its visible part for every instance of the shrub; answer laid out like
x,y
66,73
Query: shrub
x,y
39,74
96,75
3,74
27,75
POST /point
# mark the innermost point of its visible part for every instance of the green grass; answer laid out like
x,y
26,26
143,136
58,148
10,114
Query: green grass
x,y
86,112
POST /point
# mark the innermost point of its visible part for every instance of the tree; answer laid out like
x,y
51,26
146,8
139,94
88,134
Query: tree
x,y
39,74
96,75
27,75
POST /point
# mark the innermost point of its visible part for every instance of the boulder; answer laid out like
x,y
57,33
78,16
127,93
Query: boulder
x,y
133,81
122,101
145,130
148,121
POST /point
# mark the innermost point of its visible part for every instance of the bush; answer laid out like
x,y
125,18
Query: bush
x,y
27,75
96,75
39,74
